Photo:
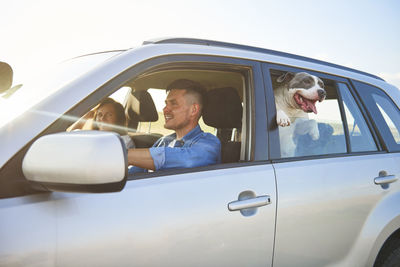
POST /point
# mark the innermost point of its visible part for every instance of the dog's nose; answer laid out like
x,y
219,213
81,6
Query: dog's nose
x,y
321,94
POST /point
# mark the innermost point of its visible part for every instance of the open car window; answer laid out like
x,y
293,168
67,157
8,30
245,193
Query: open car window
x,y
332,124
222,114
143,99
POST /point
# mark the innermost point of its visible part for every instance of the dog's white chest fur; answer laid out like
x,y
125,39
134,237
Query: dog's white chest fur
x,y
286,109
297,96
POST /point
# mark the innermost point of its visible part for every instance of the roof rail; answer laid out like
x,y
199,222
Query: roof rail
x,y
101,52
252,48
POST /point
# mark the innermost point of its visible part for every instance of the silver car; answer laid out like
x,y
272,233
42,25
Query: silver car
x,y
66,198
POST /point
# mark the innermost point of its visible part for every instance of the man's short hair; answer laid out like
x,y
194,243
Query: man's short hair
x,y
191,87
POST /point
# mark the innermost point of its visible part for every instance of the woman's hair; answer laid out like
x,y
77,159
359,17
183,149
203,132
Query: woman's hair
x,y
120,123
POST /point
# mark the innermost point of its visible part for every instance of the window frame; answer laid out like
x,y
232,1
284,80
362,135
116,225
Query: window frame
x,y
254,149
274,149
364,114
256,132
385,136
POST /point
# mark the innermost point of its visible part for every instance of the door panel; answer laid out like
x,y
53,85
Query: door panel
x,y
178,220
323,207
28,231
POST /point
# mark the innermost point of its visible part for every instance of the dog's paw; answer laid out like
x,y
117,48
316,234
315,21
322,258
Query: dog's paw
x,y
314,132
282,119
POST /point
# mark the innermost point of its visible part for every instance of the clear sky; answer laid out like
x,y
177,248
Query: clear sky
x,y
360,34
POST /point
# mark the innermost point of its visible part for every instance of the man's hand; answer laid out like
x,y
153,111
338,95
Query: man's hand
x,y
78,125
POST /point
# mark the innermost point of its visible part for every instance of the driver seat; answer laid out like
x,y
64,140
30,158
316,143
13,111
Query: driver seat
x,y
224,111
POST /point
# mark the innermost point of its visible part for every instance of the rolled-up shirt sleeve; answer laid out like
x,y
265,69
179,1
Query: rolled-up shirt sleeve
x,y
204,151
158,155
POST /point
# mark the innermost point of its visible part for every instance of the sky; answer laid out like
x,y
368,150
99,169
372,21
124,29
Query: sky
x,y
359,34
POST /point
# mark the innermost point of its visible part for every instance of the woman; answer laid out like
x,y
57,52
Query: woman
x,y
109,115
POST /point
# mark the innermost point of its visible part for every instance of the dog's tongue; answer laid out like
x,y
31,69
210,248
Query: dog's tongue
x,y
309,105
305,104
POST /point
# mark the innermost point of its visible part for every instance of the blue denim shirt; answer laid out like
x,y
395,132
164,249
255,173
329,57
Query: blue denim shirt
x,y
195,149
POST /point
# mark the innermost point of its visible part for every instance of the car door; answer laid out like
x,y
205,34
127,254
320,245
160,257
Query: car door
x,y
222,215
328,195
180,220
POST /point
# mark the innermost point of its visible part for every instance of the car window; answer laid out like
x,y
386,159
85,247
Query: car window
x,y
143,99
319,121
230,86
224,119
360,136
386,114
386,107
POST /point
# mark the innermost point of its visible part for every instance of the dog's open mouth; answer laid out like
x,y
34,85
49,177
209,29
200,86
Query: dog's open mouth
x,y
305,104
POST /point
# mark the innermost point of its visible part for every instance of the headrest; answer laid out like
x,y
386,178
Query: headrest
x,y
223,108
140,107
6,76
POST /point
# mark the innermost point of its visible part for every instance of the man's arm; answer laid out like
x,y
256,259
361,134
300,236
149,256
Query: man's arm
x,y
141,157
203,152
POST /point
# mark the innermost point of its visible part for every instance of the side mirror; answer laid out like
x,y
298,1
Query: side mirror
x,y
80,161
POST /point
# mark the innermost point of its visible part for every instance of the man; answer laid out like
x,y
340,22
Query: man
x,y
189,146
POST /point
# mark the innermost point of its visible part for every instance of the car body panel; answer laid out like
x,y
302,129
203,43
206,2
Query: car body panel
x,y
28,231
181,220
324,206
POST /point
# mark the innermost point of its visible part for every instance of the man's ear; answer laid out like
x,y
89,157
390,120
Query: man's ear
x,y
195,109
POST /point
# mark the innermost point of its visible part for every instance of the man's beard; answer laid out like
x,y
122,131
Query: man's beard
x,y
176,127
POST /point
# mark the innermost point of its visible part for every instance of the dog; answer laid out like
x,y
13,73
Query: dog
x,y
295,97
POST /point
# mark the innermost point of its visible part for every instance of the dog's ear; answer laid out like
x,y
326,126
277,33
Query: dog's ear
x,y
285,77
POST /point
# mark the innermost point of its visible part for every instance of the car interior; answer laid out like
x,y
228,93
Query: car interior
x,y
144,96
222,114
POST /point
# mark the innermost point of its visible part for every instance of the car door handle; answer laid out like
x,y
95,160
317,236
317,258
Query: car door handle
x,y
249,203
385,179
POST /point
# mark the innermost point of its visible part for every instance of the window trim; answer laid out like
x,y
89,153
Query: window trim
x,y
365,115
251,70
274,149
385,136
344,119
256,135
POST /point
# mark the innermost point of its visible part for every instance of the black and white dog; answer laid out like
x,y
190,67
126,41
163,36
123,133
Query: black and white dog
x,y
296,96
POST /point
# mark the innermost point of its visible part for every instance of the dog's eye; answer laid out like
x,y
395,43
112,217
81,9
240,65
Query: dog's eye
x,y
308,81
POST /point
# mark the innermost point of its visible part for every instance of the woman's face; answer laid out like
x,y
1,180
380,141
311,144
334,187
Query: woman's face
x,y
106,117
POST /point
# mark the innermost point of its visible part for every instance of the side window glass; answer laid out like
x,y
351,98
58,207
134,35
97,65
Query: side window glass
x,y
390,114
383,111
311,106
360,136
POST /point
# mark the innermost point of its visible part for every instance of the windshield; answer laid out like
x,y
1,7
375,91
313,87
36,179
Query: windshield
x,y
47,82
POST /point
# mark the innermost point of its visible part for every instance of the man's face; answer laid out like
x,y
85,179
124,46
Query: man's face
x,y
176,110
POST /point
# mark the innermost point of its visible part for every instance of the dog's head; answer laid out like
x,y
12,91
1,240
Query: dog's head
x,y
304,89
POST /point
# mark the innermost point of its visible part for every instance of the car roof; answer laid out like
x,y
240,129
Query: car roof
x,y
205,42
